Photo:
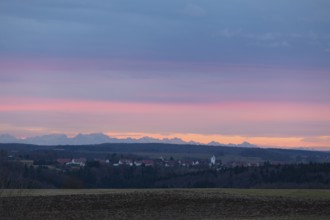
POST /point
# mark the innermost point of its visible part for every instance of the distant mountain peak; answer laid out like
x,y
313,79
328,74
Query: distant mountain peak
x,y
214,143
247,144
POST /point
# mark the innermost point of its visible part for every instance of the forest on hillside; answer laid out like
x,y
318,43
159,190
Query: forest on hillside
x,y
14,174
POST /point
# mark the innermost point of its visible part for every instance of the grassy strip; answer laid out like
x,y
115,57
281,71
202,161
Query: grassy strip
x,y
287,193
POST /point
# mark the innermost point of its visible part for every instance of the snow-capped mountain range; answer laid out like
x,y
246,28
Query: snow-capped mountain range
x,y
100,138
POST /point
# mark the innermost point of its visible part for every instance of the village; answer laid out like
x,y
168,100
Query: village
x,y
79,162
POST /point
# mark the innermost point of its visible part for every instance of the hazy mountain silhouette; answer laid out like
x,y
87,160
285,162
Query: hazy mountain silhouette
x,y
6,138
100,138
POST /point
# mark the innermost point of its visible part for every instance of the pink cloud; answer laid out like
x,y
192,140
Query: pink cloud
x,y
235,111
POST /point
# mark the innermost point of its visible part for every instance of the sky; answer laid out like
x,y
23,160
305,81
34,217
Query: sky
x,y
214,70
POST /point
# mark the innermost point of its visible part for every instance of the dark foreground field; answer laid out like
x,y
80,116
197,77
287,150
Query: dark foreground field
x,y
165,204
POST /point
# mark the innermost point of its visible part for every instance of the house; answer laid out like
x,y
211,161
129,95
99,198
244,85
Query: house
x,y
63,161
127,162
170,163
148,163
159,162
195,163
77,162
138,163
186,163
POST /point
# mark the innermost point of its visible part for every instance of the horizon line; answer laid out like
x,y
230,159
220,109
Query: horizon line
x,y
164,138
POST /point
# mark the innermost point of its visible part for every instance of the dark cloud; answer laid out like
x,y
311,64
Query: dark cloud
x,y
228,31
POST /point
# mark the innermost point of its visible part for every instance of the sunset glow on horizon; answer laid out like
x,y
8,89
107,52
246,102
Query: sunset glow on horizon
x,y
167,70
272,118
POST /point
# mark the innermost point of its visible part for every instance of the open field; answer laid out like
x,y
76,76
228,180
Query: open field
x,y
165,204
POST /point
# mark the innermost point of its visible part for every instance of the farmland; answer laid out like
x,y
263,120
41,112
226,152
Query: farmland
x,y
165,204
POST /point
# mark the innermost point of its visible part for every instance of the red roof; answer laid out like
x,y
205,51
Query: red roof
x,y
63,160
148,162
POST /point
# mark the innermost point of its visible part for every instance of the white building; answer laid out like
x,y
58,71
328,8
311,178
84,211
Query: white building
x,y
77,162
212,161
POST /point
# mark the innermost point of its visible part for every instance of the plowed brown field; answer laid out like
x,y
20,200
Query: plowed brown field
x,y
165,204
